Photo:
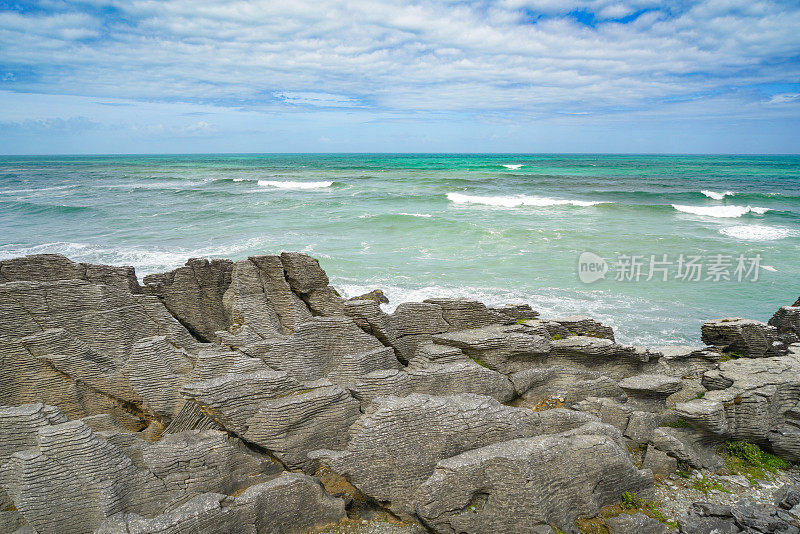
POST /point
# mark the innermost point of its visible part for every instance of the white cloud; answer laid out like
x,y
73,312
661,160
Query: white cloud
x,y
400,56
784,98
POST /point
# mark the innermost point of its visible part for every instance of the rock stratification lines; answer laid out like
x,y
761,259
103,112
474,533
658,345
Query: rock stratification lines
x,y
248,396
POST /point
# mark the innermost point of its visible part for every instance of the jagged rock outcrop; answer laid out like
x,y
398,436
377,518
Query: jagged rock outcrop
x,y
290,504
194,294
525,484
375,295
650,392
385,457
749,338
787,322
579,325
754,400
744,516
179,405
52,267
507,349
274,411
69,330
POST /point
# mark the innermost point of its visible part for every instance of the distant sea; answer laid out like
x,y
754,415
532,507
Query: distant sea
x,y
498,228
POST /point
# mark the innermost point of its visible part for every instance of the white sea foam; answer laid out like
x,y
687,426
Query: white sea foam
x,y
550,302
720,211
146,260
516,201
757,232
240,179
513,167
717,196
294,185
417,214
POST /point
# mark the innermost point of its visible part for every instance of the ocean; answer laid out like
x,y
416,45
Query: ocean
x,y
651,245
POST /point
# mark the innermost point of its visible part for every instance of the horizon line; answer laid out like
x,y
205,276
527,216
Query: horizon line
x,y
111,154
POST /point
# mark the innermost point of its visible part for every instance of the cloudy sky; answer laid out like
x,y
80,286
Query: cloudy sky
x,y
108,76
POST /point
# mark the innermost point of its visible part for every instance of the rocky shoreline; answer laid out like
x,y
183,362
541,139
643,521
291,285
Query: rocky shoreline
x,y
248,396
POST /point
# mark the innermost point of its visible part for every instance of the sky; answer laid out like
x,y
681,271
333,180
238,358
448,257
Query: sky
x,y
189,76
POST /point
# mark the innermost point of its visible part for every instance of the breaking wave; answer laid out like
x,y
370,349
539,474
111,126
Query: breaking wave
x,y
720,211
517,201
717,196
294,185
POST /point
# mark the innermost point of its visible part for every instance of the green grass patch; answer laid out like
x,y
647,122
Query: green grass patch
x,y
630,504
680,423
556,337
479,362
743,458
522,321
701,394
727,356
705,485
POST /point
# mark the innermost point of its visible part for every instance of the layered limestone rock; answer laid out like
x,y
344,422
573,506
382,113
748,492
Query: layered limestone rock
x,y
524,485
787,321
449,378
603,356
194,294
179,405
274,411
317,348
290,504
746,337
686,361
506,349
756,400
69,330
52,267
579,325
650,392
63,477
395,446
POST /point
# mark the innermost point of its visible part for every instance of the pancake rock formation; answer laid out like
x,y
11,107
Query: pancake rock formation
x,y
249,396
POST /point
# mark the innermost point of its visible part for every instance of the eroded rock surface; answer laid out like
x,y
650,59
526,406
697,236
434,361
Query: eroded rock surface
x,y
180,404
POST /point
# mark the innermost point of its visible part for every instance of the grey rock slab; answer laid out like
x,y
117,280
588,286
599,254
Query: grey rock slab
x,y
518,484
649,392
193,294
637,523
507,349
752,339
585,326
395,446
296,424
752,400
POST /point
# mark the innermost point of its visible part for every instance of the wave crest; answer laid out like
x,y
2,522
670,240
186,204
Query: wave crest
x,y
517,201
720,211
294,185
514,167
717,196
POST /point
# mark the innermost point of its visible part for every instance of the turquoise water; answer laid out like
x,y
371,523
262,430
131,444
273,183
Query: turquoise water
x,y
498,228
